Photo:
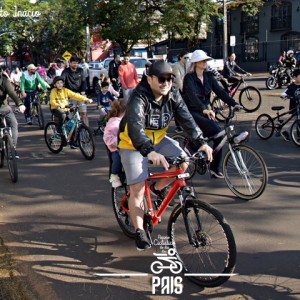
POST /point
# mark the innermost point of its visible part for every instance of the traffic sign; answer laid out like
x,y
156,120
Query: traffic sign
x,y
67,55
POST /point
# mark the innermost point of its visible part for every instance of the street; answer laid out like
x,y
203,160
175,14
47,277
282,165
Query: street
x,y
58,222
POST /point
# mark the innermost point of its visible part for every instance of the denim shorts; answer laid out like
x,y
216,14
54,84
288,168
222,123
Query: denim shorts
x,y
136,166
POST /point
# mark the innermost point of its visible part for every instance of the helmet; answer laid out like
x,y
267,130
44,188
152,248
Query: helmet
x,y
290,52
57,78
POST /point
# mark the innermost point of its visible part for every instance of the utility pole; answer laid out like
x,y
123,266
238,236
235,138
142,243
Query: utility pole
x,y
225,39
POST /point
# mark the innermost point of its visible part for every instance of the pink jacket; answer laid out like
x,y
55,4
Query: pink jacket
x,y
111,131
128,76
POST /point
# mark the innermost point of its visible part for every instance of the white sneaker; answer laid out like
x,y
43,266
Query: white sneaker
x,y
115,181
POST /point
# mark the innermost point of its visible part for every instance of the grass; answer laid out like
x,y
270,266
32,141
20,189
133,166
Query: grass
x,y
11,285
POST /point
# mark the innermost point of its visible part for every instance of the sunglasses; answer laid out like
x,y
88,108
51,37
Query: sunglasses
x,y
162,80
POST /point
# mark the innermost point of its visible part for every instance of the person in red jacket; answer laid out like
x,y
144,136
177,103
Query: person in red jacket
x,y
128,77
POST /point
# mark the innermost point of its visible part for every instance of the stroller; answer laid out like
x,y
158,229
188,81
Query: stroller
x,y
101,122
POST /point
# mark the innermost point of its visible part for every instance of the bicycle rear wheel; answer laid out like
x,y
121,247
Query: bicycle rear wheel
x,y
183,140
245,172
119,195
203,241
86,142
264,126
40,115
295,132
52,138
222,110
10,154
250,98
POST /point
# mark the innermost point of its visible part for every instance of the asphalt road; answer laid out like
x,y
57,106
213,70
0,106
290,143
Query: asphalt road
x,y
59,224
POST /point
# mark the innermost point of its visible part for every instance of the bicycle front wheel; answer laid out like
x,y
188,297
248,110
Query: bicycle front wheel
x,y
120,195
10,154
40,115
52,138
86,142
295,133
203,241
264,126
245,172
182,140
222,110
250,98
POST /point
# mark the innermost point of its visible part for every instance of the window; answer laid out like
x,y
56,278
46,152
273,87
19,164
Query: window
x,y
290,41
281,16
251,49
250,24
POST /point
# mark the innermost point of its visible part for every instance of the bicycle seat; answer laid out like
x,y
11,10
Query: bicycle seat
x,y
277,107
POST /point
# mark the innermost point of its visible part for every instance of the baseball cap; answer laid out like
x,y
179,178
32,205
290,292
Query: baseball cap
x,y
160,68
199,55
31,67
74,58
59,60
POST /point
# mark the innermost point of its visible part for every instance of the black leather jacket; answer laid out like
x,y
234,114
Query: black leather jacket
x,y
146,122
197,96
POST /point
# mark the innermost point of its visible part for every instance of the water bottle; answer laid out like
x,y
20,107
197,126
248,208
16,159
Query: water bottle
x,y
242,136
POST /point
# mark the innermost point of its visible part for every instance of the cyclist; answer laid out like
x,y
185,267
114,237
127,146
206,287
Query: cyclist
x,y
197,87
231,70
142,137
290,63
30,80
6,88
293,92
59,100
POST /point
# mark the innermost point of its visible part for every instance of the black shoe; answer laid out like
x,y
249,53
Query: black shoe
x,y
74,146
141,240
64,141
216,174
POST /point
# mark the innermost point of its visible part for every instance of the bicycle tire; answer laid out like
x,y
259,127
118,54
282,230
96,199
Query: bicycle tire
x,y
250,98
251,182
40,115
213,249
123,218
264,126
222,110
86,142
271,83
295,132
52,138
192,168
11,160
1,158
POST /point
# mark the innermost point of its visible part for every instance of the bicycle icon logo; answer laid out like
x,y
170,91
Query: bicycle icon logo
x,y
174,265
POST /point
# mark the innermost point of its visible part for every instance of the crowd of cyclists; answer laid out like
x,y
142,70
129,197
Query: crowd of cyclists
x,y
137,129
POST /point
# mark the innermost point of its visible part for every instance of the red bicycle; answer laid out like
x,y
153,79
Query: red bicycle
x,y
198,233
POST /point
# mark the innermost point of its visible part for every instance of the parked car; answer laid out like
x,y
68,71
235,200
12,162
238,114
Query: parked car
x,y
139,63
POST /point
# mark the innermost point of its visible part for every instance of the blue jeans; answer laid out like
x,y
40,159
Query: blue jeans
x,y
27,103
116,166
12,123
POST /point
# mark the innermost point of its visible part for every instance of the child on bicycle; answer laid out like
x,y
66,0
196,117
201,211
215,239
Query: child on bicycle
x,y
59,102
292,92
110,139
105,98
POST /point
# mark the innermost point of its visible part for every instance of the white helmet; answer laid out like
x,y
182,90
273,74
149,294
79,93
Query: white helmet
x,y
290,52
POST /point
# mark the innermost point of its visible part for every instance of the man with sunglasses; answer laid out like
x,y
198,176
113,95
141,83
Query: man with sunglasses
x,y
143,137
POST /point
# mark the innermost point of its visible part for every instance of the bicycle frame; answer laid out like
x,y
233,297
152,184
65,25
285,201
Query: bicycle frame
x,y
77,120
177,185
278,127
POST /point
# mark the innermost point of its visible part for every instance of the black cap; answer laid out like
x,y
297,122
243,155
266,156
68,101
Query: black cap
x,y
74,58
57,78
59,60
160,68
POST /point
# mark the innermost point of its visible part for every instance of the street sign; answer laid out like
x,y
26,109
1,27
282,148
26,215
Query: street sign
x,y
67,55
232,40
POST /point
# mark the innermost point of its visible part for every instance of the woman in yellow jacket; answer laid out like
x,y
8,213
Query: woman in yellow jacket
x,y
59,101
